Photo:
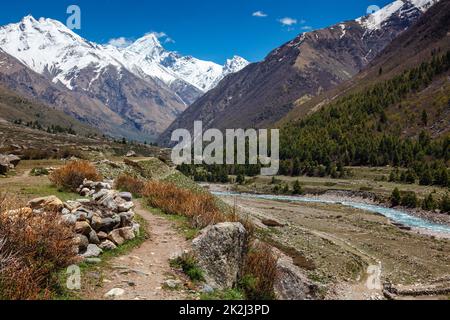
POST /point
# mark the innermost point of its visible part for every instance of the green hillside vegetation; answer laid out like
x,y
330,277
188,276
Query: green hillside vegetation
x,y
367,129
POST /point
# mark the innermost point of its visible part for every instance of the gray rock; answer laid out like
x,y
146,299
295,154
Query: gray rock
x,y
102,235
109,202
127,233
92,251
219,251
107,245
101,194
83,214
206,289
116,237
93,238
69,219
127,196
65,211
126,218
125,206
292,284
82,242
136,228
115,293
172,284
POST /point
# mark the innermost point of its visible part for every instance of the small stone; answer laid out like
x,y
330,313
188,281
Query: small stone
x,y
125,207
207,289
116,237
93,260
92,251
172,284
107,245
115,293
69,219
127,196
82,242
93,238
65,211
83,227
102,235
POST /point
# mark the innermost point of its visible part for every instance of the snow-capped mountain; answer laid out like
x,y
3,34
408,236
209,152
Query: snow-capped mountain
x,y
314,62
49,47
143,86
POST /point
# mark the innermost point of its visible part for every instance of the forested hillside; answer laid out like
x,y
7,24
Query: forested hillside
x,y
401,122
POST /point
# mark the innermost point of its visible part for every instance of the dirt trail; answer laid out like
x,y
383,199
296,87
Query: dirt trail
x,y
143,271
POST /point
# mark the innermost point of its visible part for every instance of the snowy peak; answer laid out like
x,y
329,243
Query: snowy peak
x,y
48,47
235,64
399,8
148,46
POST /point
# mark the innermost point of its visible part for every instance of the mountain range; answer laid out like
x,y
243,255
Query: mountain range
x,y
136,91
315,62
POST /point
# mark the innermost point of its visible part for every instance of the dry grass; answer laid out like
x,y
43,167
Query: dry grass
x,y
33,248
71,175
259,272
130,184
201,209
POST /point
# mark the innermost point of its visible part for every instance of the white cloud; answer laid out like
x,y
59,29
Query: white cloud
x,y
121,42
259,14
162,36
287,21
306,28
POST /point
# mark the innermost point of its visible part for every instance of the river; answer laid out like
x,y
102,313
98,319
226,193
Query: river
x,y
395,215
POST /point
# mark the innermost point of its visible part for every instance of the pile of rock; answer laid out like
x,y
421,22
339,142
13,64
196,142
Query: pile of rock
x,y
8,162
103,222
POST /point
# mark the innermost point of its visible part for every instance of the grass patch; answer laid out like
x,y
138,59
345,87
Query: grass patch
x,y
227,295
45,190
188,264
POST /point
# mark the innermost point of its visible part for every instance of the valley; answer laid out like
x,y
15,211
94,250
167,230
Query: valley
x,y
337,244
359,209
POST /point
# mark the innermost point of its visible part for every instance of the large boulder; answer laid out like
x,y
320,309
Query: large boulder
x,y
8,162
292,283
219,251
13,160
50,203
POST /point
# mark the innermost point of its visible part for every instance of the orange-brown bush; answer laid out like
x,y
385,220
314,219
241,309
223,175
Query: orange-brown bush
x,y
130,184
201,209
71,175
259,272
33,248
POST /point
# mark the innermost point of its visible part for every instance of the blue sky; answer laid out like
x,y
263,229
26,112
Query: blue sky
x,y
211,30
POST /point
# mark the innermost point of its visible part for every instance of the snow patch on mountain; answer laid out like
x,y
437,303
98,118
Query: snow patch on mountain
x,y
376,20
48,47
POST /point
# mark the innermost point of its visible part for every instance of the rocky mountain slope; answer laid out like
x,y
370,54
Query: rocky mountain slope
x,y
134,92
429,36
314,62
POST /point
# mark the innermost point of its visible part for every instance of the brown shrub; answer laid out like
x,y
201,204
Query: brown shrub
x,y
71,175
259,272
33,249
130,184
201,209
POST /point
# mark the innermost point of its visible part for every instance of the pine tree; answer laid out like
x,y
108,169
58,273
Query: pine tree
x,y
396,197
298,190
